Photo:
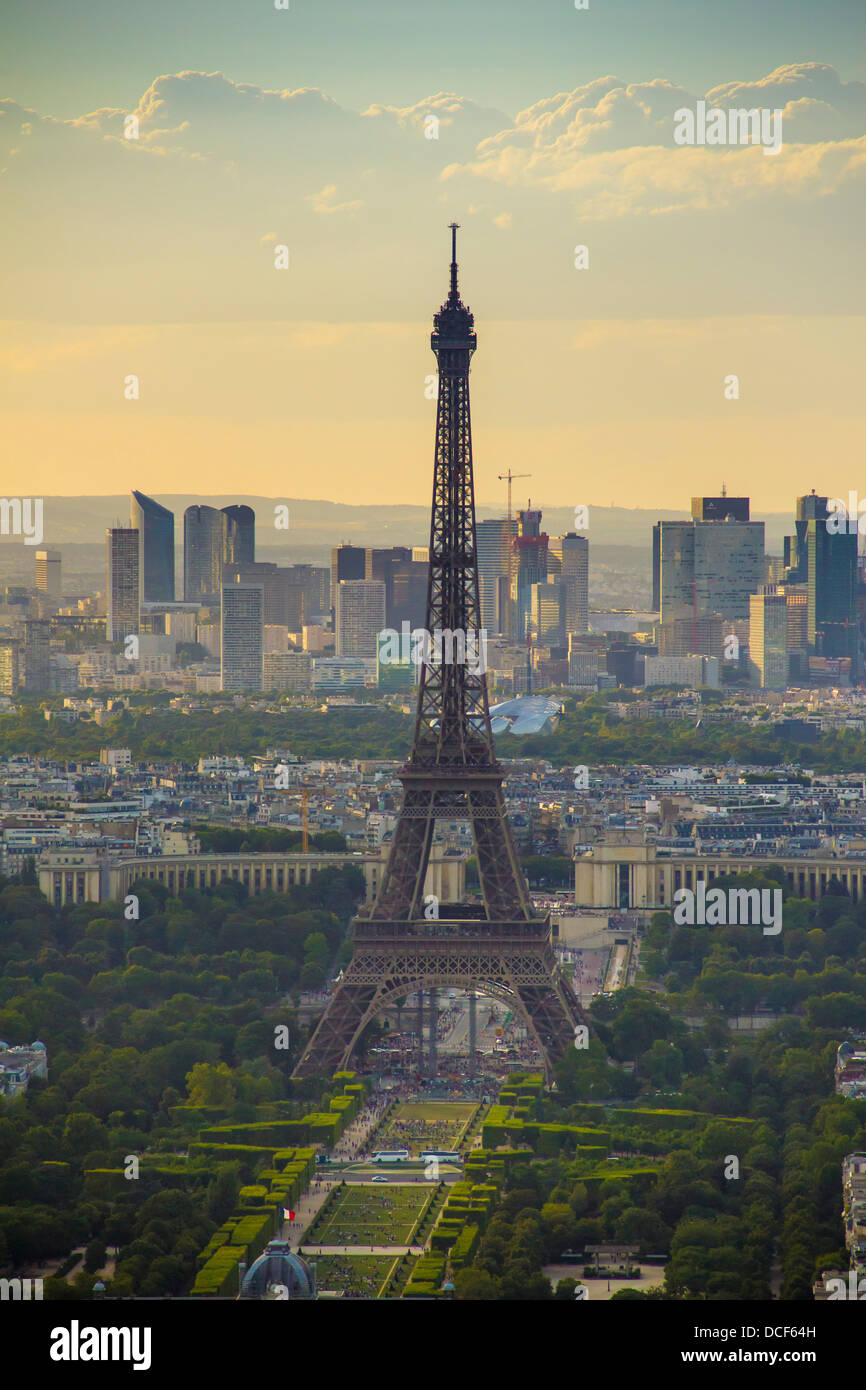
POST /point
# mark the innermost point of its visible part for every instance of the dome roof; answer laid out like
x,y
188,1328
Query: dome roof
x,y
277,1265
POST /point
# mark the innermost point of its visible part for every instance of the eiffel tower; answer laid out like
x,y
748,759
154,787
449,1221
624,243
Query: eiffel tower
x,y
499,947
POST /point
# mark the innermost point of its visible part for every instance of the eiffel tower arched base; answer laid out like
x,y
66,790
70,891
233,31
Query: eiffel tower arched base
x,y
512,961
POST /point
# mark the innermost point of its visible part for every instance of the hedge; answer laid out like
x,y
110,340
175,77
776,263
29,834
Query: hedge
x,y
464,1247
244,1153
219,1277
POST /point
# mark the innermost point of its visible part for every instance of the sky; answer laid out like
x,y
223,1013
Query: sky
x,y
351,135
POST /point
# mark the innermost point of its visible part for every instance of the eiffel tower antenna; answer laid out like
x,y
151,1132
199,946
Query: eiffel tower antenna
x,y
499,946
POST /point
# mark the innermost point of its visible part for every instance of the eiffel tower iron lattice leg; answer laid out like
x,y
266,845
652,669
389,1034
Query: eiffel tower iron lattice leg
x,y
500,946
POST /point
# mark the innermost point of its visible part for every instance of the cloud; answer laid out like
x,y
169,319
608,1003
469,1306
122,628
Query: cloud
x,y
171,224
323,202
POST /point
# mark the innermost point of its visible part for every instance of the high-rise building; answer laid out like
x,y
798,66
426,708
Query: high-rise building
x,y
8,666
709,566
572,551
547,602
676,568
408,601
796,550
768,638
797,610
832,592
240,542
122,584
241,636
822,564
693,671
37,656
314,583
360,616
347,562
405,583
729,566
529,548
48,572
722,508
204,546
657,567
155,526
493,540
692,636
293,594
287,671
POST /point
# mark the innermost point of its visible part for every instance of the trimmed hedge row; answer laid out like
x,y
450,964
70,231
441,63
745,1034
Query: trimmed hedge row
x,y
258,1219
426,1278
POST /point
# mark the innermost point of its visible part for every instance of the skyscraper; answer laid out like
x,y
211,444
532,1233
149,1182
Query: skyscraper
x,y
831,585
494,550
122,584
241,636
768,637
530,546
37,656
676,552
722,508
8,667
729,566
572,550
547,603
48,572
155,525
347,562
360,616
204,545
408,599
240,543
709,566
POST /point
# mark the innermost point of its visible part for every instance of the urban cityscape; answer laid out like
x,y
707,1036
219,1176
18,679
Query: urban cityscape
x,y
505,849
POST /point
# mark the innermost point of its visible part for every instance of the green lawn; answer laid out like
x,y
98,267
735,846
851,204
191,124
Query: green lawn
x,y
369,1215
418,1124
358,1276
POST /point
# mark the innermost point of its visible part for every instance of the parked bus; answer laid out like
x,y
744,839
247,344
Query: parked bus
x,y
390,1156
443,1155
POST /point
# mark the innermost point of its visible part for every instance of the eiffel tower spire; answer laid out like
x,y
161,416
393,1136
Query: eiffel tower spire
x,y
500,945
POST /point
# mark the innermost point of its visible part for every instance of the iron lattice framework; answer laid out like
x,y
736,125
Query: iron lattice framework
x,y
503,949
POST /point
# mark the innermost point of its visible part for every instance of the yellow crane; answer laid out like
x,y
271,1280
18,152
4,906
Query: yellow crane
x,y
508,478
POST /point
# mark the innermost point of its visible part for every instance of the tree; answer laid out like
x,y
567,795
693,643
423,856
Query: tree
x,y
476,1285
207,1084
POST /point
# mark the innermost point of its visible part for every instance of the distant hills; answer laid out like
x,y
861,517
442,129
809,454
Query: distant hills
x,y
318,524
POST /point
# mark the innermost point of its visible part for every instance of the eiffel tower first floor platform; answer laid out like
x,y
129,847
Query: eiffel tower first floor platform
x,y
510,961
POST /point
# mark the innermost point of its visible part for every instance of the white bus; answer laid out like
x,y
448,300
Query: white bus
x,y
390,1156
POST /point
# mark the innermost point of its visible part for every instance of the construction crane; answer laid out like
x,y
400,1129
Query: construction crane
x,y
305,819
508,478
